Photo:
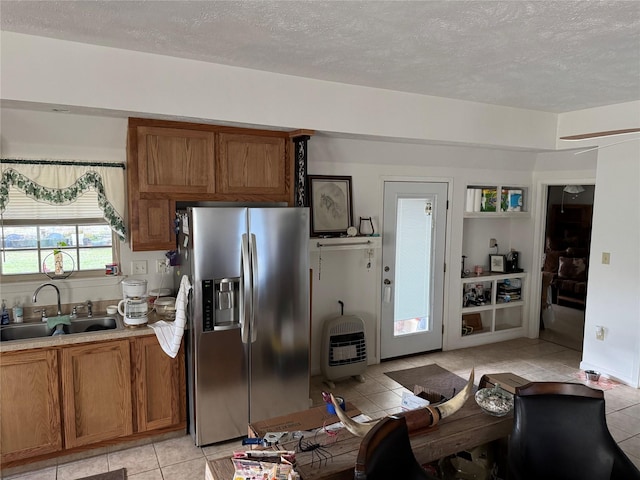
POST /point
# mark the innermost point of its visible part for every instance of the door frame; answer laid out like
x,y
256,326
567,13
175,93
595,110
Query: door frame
x,y
447,249
540,225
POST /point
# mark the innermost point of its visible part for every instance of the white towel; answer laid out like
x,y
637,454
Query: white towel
x,y
170,333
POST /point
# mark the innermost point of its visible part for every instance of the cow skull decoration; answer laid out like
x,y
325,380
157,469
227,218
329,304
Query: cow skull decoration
x,y
417,419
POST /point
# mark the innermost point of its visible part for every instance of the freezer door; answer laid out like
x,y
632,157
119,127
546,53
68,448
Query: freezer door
x,y
220,366
279,375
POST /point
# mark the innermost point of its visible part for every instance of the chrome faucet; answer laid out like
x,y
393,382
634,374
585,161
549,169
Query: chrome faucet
x,y
35,294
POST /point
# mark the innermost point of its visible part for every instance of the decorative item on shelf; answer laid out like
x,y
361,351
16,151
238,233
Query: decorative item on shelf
x,y
331,206
352,231
53,265
497,263
366,226
489,199
511,200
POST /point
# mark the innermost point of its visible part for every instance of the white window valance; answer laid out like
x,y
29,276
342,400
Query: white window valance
x,y
62,182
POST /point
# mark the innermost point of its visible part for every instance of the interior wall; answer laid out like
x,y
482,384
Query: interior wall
x,y
47,135
39,70
613,289
370,163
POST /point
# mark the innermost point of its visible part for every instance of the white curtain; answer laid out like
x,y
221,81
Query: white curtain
x,y
60,183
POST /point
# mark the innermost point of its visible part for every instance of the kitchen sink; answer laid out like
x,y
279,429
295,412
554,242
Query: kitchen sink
x,y
95,324
25,331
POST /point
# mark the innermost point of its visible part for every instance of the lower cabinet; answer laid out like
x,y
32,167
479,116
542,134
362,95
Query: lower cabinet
x,y
56,399
158,386
96,392
29,405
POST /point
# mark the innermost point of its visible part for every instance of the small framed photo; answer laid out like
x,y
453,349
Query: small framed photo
x,y
497,263
331,207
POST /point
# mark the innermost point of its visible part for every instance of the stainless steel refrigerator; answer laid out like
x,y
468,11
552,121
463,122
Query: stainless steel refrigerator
x,y
248,316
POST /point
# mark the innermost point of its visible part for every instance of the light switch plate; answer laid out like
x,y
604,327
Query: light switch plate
x,y
139,267
606,258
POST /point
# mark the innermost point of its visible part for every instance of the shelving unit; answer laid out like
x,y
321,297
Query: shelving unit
x,y
492,302
483,201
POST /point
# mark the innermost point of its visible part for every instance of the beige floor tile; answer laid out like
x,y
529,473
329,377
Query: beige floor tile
x,y
386,400
135,460
631,446
83,468
43,474
222,449
372,385
190,470
150,475
624,422
177,450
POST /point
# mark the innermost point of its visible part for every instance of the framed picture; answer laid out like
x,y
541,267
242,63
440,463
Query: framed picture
x,y
497,263
331,208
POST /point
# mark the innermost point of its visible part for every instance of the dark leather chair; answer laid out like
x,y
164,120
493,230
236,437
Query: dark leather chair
x,y
385,453
560,432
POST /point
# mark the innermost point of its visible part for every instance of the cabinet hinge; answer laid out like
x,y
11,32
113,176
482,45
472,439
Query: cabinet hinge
x,y
445,268
447,205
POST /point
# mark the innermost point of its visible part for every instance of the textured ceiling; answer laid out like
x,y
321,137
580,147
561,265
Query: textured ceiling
x,y
553,56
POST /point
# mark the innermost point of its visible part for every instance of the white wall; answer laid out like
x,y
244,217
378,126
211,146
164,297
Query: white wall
x,y
370,163
55,72
613,290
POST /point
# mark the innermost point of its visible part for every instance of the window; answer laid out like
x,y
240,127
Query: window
x,y
32,230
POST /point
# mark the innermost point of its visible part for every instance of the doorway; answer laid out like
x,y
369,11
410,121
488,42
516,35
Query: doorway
x,y
413,268
565,270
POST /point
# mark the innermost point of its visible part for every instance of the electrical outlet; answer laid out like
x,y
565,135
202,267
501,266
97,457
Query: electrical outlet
x,y
492,243
139,267
161,266
606,258
599,332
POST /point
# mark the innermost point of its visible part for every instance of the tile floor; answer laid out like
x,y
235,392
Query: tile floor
x,y
538,360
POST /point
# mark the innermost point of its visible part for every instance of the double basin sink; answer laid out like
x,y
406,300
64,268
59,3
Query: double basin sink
x,y
25,331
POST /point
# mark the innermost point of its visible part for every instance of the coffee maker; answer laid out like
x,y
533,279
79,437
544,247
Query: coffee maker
x,y
133,306
512,261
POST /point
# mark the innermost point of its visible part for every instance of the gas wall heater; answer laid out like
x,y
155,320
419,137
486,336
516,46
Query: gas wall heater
x,y
344,348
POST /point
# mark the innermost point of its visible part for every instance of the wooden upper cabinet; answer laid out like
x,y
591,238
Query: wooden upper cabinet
x,y
174,160
252,164
96,392
29,405
154,220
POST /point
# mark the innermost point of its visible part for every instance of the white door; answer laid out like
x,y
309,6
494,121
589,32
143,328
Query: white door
x,y
415,217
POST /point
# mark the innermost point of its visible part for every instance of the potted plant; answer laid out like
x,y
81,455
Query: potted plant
x,y
57,256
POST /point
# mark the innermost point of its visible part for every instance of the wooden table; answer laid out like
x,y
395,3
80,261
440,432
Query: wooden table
x,y
467,428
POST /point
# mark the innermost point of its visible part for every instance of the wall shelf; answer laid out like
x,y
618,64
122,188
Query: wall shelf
x,y
344,243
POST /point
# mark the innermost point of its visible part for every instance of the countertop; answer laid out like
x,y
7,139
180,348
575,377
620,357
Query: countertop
x,y
99,336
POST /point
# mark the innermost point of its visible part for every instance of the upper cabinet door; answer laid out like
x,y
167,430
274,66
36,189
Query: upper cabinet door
x,y
252,165
173,160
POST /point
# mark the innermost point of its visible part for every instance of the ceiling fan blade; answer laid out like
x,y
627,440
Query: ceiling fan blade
x,y
608,133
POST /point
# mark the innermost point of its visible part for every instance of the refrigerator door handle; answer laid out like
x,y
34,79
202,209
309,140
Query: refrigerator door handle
x,y
254,285
245,290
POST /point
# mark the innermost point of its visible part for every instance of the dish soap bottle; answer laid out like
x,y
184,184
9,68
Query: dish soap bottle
x,y
5,313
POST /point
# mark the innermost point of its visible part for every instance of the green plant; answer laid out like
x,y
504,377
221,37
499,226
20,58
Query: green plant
x,y
60,244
